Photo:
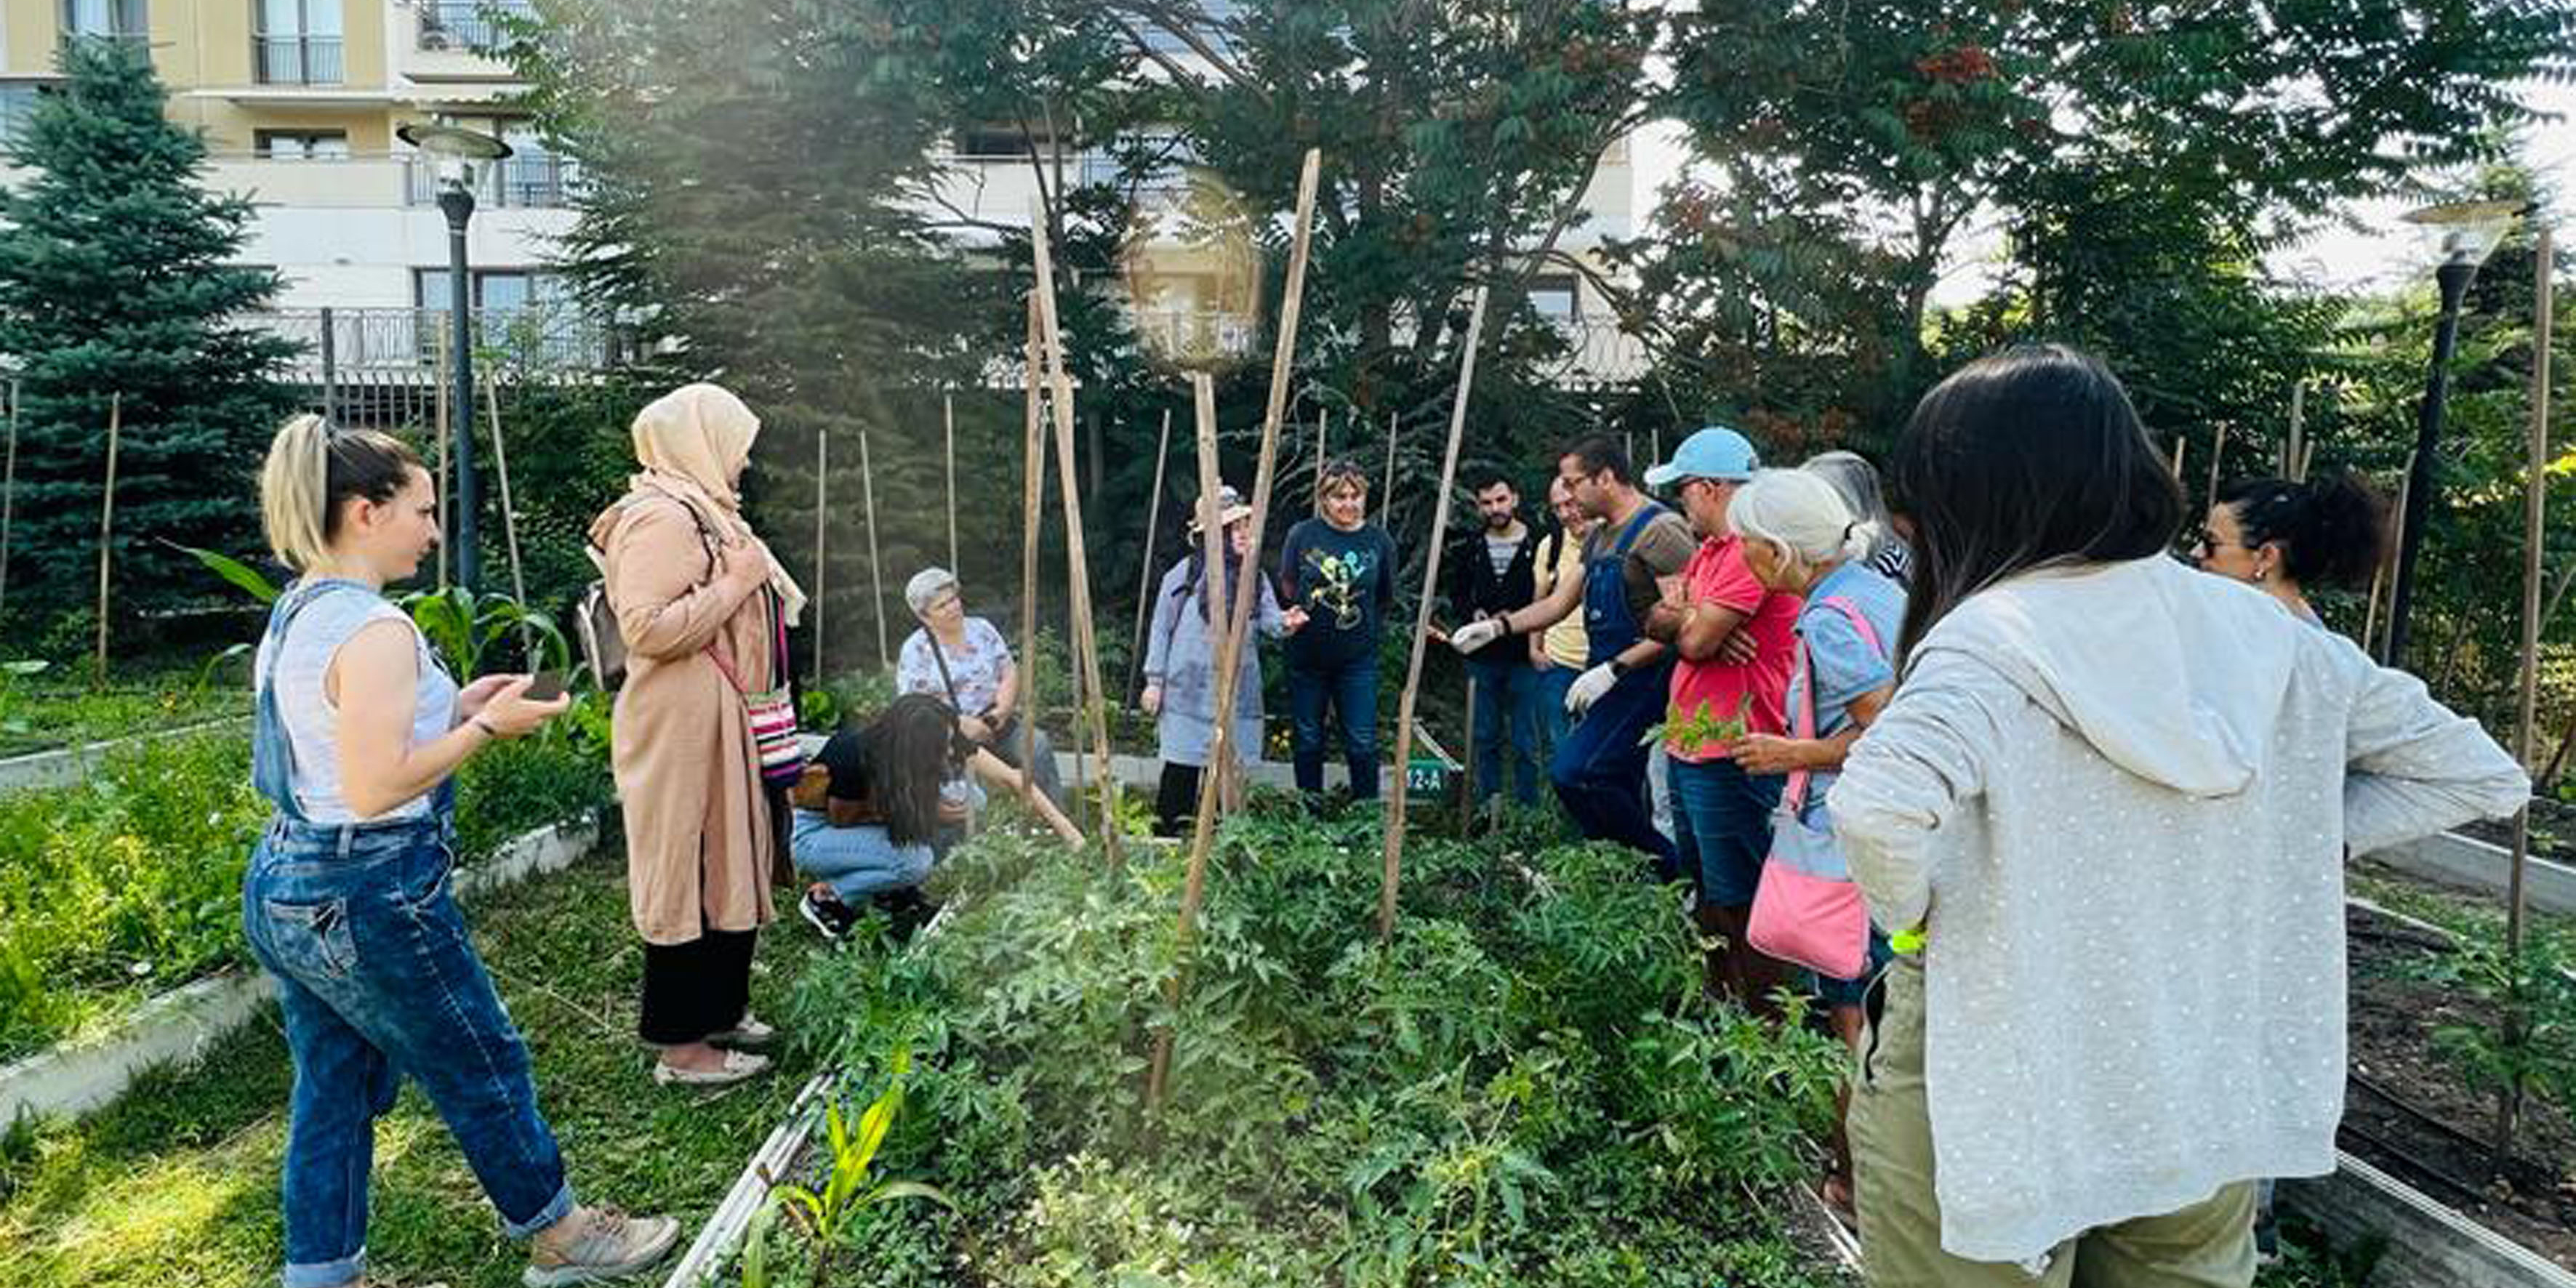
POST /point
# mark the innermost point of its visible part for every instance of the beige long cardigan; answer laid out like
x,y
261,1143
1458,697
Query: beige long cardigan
x,y
698,833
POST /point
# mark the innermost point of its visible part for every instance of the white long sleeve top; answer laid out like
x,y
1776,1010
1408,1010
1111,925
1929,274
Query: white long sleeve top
x,y
2118,799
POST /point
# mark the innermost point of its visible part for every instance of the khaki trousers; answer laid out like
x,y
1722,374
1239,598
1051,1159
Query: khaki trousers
x,y
2207,1245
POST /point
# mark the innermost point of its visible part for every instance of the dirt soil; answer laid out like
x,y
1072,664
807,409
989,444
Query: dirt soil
x,y
2553,830
2409,1112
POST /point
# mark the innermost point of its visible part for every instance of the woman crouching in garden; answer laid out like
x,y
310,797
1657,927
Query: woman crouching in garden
x,y
2106,1019
358,734
703,610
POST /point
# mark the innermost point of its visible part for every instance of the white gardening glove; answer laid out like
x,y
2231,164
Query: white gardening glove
x,y
1588,688
1476,635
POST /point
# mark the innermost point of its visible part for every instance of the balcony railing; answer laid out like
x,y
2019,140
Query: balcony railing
x,y
396,345
532,180
468,25
297,60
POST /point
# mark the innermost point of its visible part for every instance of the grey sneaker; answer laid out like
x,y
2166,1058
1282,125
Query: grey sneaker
x,y
598,1243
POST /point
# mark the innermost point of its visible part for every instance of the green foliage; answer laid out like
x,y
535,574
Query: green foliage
x,y
1523,1082
464,627
2528,1003
1699,728
129,883
119,279
849,1184
39,711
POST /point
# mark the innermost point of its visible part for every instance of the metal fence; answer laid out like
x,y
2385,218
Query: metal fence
x,y
297,60
534,180
385,367
474,25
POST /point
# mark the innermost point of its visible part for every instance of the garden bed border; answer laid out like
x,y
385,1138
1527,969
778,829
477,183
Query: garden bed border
x,y
2427,1243
2461,862
73,1077
62,766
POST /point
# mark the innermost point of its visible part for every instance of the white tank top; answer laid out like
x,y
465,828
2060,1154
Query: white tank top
x,y
311,719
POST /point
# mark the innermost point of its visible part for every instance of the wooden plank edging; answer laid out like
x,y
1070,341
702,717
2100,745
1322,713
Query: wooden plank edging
x,y
2428,1245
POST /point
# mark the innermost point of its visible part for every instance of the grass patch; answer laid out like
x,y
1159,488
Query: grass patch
x,y
176,1185
2463,913
50,709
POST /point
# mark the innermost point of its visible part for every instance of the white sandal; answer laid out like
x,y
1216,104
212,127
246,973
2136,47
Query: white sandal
x,y
737,1066
750,1034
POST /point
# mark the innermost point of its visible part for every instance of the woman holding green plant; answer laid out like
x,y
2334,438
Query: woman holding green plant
x,y
357,736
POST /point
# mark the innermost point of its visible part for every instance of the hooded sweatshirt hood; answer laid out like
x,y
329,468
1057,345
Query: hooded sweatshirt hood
x,y
2103,648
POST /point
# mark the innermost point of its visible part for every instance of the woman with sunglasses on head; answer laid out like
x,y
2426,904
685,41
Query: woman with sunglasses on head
x,y
358,735
2106,1021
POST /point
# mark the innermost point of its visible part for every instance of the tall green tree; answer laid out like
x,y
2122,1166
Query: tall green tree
x,y
117,281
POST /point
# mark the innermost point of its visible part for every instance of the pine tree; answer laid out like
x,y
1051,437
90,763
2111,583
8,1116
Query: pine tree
x,y
117,281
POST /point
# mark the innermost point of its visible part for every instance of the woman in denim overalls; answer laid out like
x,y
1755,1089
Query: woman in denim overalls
x,y
358,733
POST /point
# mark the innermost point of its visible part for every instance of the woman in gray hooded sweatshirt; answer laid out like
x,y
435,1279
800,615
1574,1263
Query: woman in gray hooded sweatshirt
x,y
2106,1022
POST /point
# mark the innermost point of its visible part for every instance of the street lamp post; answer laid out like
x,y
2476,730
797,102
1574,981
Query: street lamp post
x,y
2467,233
456,150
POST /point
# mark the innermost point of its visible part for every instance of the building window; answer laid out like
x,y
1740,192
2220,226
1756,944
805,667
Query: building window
x,y
115,19
298,42
301,145
477,26
503,290
1556,297
991,142
18,100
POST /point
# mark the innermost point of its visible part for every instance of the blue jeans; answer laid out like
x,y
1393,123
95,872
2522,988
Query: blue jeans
x,y
1553,683
1349,689
378,982
1507,697
1600,770
855,861
1722,826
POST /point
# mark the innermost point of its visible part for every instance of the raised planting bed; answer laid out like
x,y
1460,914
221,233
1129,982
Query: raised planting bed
x,y
53,711
126,885
2411,1113
2478,859
1524,1087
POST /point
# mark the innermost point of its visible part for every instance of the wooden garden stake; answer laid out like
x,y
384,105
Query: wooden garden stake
x,y
2534,494
1034,485
1145,573
876,566
2180,445
1467,798
2294,455
2217,452
1086,637
822,512
106,527
1212,542
948,422
1386,496
509,518
8,493
1422,625
1323,417
1238,619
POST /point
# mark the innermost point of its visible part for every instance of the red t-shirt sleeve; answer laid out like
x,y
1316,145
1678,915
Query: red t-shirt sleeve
x,y
1729,582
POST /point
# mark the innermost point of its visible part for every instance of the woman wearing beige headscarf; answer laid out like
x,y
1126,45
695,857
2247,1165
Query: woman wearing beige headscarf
x,y
701,604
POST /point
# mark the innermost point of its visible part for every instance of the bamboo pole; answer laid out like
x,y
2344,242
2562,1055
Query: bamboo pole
x,y
2379,651
1422,624
446,452
1033,494
1467,799
822,512
2217,453
1145,569
1386,495
509,519
8,494
106,528
1086,636
1211,523
1323,418
1238,620
948,422
876,566
2535,494
2180,446
2294,454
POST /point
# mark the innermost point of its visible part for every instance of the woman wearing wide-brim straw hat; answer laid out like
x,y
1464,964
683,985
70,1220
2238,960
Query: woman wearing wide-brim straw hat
x,y
1180,662
702,606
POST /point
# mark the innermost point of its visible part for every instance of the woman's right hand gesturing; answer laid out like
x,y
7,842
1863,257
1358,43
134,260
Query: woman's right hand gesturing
x,y
741,569
510,713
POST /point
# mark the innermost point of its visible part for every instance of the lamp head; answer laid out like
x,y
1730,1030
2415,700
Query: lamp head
x,y
2466,232
453,148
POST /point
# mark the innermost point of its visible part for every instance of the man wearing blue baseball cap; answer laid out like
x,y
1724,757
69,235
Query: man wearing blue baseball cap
x,y
1632,559
1735,640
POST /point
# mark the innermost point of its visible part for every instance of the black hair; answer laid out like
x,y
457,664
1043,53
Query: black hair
x,y
2028,457
910,752
2332,529
1487,476
1599,453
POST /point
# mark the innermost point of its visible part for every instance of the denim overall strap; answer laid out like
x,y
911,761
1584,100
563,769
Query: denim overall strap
x,y
1608,627
272,756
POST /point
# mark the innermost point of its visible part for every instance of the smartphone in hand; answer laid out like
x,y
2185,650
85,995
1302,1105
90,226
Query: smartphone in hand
x,y
546,687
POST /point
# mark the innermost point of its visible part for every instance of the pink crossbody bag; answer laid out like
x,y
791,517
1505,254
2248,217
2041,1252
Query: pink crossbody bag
x,y
1807,909
772,711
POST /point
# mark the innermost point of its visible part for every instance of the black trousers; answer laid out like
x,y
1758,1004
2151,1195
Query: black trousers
x,y
1176,799
696,989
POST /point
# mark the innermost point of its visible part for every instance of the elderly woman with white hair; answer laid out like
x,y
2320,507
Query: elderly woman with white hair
x,y
1801,538
964,662
704,610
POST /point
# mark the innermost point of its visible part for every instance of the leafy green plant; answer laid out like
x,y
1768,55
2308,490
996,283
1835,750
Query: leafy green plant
x,y
2531,1045
463,626
250,580
1690,733
850,1186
